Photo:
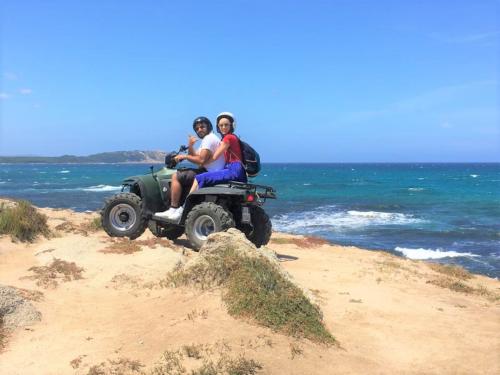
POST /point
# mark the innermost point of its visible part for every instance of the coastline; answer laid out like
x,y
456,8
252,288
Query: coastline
x,y
389,314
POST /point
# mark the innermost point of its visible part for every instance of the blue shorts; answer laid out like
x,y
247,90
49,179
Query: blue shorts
x,y
231,172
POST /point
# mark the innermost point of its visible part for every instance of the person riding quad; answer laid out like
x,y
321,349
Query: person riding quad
x,y
230,147
203,157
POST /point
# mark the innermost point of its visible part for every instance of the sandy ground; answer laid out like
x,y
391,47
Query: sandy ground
x,y
385,312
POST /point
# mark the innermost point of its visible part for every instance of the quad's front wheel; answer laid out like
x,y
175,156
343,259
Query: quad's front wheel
x,y
122,216
259,232
204,219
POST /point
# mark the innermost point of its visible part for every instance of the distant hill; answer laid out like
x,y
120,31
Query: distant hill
x,y
103,157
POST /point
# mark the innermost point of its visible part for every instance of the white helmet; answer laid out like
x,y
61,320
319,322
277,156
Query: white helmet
x,y
229,116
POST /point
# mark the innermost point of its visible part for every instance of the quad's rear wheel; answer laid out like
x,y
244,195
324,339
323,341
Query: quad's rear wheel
x,y
123,216
172,232
204,219
260,229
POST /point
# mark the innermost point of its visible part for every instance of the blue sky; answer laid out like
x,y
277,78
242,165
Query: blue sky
x,y
315,81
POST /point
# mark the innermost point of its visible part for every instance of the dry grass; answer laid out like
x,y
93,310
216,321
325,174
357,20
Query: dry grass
x,y
22,222
303,243
451,270
31,295
189,360
195,314
122,246
193,351
255,290
461,287
75,363
172,363
455,285
93,225
295,350
152,243
122,366
58,270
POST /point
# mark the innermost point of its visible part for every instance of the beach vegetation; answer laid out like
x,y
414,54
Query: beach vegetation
x,y
452,284
23,222
93,225
451,270
305,242
295,350
123,366
122,246
193,351
59,270
254,289
461,287
171,363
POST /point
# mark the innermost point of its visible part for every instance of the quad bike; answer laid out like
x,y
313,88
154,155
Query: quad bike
x,y
207,210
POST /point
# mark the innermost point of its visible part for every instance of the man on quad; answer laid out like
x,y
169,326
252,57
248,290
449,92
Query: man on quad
x,y
182,180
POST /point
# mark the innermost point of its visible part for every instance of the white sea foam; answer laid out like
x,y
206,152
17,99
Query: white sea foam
x,y
416,189
474,175
431,254
307,184
99,188
326,218
64,171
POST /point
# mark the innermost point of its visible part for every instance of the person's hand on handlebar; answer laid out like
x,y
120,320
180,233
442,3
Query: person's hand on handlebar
x,y
180,158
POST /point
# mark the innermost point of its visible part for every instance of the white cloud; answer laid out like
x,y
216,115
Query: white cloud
x,y
422,102
10,76
25,91
4,96
466,38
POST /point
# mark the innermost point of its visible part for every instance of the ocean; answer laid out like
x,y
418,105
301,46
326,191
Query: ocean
x,y
447,213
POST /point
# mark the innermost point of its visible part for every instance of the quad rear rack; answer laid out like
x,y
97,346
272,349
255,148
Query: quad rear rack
x,y
261,191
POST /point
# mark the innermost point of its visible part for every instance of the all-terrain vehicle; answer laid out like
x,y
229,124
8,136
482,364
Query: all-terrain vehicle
x,y
208,210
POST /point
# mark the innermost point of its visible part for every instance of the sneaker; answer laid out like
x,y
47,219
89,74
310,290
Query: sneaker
x,y
176,214
165,214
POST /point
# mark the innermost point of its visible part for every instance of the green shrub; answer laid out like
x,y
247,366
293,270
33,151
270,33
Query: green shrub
x,y
255,289
93,225
23,222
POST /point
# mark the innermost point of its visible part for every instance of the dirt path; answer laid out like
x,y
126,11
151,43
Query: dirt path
x,y
386,313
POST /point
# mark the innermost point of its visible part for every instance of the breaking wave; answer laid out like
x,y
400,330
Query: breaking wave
x,y
99,188
325,218
422,254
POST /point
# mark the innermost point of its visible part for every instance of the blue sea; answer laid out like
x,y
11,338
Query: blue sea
x,y
448,213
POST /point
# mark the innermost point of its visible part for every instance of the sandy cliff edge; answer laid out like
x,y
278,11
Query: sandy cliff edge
x,y
389,315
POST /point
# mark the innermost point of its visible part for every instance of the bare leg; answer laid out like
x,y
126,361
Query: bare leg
x,y
175,191
194,187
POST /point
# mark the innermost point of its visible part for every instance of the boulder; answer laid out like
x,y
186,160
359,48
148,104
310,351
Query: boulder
x,y
16,311
219,241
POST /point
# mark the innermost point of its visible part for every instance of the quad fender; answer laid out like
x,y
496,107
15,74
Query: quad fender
x,y
148,189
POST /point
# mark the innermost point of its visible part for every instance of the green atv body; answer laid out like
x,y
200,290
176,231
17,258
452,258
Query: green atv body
x,y
208,210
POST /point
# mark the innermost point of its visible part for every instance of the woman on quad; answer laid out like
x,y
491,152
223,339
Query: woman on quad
x,y
230,147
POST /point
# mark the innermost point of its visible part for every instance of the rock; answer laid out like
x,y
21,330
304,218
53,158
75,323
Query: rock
x,y
16,311
219,241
